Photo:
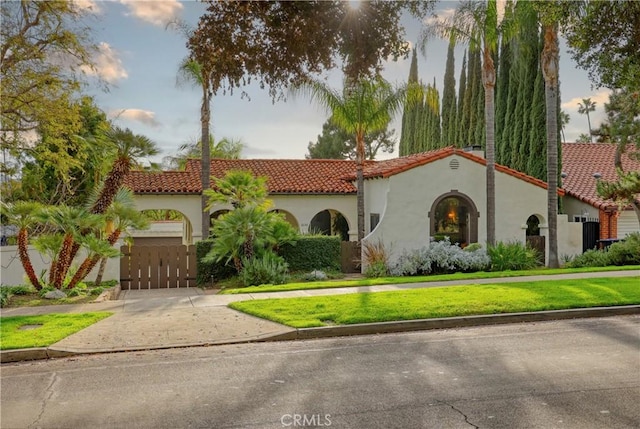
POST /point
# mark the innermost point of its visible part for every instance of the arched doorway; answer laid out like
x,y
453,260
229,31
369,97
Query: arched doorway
x,y
166,227
330,222
289,218
454,215
533,238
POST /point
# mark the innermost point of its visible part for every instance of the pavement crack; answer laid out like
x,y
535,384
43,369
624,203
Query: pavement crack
x,y
466,419
48,393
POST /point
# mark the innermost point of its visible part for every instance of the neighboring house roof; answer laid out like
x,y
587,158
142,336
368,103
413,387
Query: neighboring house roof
x,y
580,161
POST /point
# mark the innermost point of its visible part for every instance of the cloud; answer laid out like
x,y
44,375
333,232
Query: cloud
x,y
108,65
440,17
158,12
90,6
138,115
600,98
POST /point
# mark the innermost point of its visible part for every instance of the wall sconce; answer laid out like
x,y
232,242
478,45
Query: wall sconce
x,y
563,175
597,176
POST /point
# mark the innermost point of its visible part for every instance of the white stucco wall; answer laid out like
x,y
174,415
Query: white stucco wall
x,y
12,272
573,207
188,205
375,200
404,224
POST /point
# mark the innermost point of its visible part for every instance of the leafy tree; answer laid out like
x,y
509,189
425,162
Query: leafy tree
x,y
43,47
47,178
584,108
335,143
363,107
623,129
604,38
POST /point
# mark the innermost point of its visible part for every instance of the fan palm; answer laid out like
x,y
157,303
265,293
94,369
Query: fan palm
x,y
129,147
192,72
21,214
363,107
237,188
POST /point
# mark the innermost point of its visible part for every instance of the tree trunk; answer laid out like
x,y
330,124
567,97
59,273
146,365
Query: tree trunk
x,y
103,265
24,258
549,62
360,183
489,81
205,114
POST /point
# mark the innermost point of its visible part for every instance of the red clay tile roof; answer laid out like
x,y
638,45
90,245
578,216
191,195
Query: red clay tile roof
x,y
581,160
390,167
164,182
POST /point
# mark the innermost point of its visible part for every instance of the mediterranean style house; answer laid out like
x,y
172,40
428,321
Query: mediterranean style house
x,y
412,200
409,201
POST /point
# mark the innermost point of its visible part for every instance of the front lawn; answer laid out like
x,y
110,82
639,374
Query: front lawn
x,y
448,301
421,279
20,332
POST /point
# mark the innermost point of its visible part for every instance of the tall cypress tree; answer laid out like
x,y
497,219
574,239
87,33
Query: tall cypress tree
x,y
527,64
433,106
408,136
502,86
468,107
448,114
537,146
462,90
477,134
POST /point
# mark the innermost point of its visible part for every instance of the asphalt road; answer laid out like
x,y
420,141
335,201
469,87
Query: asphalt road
x,y
582,373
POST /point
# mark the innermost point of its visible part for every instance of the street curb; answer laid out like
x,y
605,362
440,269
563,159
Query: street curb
x,y
8,356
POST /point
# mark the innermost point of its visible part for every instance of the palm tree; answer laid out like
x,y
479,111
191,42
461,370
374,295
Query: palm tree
x,y
476,22
238,188
549,62
72,223
584,108
21,214
225,148
121,215
363,107
128,148
191,71
564,120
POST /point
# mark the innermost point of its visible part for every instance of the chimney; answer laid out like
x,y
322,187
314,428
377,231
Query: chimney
x,y
475,150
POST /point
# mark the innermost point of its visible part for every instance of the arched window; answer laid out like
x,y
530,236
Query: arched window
x,y
454,215
330,222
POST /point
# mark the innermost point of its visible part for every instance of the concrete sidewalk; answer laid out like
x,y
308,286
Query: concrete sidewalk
x,y
168,318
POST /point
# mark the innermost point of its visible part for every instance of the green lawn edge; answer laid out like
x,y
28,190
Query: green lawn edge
x,y
445,301
55,327
421,279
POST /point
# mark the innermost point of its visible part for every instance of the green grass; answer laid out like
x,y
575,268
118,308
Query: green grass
x,y
421,279
54,328
425,303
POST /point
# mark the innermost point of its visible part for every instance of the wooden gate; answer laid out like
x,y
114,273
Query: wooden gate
x,y
350,257
537,242
158,267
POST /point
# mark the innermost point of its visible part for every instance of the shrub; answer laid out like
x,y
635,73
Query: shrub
x,y
441,257
21,289
376,258
590,258
318,252
96,291
266,269
205,271
5,294
625,252
512,256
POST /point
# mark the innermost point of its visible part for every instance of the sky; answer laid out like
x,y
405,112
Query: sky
x,y
139,58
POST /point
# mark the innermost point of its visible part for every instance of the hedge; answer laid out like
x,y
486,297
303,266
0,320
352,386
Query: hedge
x,y
313,252
205,271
